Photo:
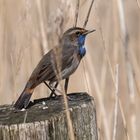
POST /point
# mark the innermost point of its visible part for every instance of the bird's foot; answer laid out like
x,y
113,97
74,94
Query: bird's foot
x,y
53,95
71,98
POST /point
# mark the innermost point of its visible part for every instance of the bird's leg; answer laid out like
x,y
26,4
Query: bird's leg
x,y
66,88
66,85
53,91
48,85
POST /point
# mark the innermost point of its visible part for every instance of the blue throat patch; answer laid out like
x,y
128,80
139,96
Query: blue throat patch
x,y
82,51
81,42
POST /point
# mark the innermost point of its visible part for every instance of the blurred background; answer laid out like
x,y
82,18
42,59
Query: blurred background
x,y
110,71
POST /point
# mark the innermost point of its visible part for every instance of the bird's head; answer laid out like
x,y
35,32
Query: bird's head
x,y
76,35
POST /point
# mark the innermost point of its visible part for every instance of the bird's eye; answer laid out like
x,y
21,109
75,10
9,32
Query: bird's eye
x,y
78,33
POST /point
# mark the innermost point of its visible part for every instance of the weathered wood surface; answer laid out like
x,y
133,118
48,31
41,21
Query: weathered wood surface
x,y
46,120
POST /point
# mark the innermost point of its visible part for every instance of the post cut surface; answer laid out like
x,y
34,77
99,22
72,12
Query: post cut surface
x,y
45,119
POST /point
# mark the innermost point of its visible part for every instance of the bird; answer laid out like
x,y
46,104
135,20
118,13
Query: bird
x,y
70,52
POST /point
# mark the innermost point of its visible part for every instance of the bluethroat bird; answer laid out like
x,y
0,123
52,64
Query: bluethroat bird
x,y
72,51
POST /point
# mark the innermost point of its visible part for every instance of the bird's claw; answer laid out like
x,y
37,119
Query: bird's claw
x,y
53,96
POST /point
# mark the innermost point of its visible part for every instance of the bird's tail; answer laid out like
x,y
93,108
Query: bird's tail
x,y
24,99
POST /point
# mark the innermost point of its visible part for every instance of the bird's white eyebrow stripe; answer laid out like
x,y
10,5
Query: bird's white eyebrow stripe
x,y
74,31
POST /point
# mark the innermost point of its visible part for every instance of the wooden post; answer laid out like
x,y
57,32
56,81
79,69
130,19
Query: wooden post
x,y
46,120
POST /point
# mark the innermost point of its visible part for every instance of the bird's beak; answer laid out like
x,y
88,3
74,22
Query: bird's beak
x,y
89,31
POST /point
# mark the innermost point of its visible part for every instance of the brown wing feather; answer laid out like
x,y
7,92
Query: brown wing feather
x,y
47,67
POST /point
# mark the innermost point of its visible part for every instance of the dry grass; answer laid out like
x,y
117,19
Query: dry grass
x,y
30,28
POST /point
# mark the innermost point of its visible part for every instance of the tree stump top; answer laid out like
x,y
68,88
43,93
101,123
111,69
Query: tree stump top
x,y
45,119
41,109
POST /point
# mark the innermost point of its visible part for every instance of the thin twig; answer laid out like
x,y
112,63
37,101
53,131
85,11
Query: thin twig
x,y
107,56
99,98
89,11
76,13
116,101
25,117
136,68
57,70
138,3
42,28
124,120
128,67
86,77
